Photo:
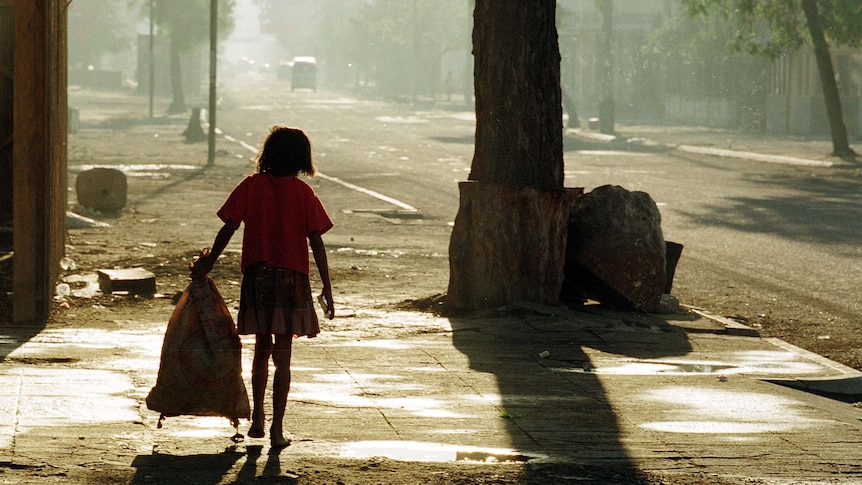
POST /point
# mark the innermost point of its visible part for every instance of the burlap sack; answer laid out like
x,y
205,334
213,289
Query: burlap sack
x,y
200,372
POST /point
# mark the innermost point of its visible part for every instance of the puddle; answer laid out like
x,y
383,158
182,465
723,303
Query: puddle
x,y
652,368
770,363
434,452
696,369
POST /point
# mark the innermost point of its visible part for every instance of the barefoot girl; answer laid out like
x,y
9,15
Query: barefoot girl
x,y
282,215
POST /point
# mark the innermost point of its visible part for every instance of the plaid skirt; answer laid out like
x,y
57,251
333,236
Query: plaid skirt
x,y
276,301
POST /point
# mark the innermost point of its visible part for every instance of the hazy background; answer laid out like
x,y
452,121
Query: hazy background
x,y
655,61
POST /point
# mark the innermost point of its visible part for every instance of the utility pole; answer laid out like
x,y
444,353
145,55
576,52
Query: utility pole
x,y
606,105
152,61
213,59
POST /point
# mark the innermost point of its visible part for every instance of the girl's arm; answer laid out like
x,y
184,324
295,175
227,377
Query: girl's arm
x,y
204,264
319,251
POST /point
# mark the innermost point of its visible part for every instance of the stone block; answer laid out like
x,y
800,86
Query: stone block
x,y
102,189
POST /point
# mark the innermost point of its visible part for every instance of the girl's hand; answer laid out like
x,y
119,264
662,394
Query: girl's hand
x,y
325,300
202,265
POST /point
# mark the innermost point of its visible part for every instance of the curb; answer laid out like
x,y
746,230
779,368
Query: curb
x,y
731,327
703,150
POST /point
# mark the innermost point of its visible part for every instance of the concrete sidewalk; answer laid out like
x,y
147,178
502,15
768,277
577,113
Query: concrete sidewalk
x,y
526,383
687,395
812,151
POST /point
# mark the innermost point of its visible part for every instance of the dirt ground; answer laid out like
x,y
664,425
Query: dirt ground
x,y
375,262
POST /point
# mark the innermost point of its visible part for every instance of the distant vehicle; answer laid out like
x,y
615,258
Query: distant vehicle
x,y
303,73
244,65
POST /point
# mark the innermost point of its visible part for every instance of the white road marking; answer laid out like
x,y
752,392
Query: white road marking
x,y
363,190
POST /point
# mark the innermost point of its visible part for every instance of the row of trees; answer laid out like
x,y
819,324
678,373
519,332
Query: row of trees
x,y
516,148
769,28
425,30
97,28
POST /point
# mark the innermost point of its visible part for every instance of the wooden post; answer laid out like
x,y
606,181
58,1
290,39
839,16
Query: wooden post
x,y
38,154
7,30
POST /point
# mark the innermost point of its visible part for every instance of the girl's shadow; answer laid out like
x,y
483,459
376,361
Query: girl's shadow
x,y
204,469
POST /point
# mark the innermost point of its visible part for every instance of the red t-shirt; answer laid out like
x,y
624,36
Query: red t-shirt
x,y
279,214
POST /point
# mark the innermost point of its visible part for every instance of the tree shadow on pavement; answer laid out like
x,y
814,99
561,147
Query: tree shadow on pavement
x,y
550,397
817,209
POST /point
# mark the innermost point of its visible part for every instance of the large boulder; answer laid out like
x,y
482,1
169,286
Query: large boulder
x,y
102,189
615,251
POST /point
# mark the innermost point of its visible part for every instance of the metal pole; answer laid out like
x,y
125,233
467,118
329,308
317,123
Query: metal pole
x,y
213,59
152,62
606,106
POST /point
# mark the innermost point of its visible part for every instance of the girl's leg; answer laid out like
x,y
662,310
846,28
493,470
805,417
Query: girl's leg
x,y
259,378
280,387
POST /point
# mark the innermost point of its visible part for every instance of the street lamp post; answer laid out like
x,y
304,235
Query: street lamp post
x,y
152,61
213,59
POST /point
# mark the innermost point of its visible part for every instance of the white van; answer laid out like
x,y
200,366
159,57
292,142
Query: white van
x,y
303,73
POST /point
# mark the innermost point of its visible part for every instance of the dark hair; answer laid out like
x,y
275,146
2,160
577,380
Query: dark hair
x,y
285,152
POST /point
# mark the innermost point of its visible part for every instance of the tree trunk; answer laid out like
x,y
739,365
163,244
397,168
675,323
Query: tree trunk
x,y
508,242
840,143
519,114
178,105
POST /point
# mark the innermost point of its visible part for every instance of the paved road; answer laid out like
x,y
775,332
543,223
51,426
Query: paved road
x,y
761,238
683,399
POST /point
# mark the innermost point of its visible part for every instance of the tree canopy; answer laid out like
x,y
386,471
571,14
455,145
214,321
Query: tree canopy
x,y
187,25
426,28
96,28
187,22
770,28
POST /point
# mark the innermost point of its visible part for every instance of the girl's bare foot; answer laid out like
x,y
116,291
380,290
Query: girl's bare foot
x,y
256,430
277,440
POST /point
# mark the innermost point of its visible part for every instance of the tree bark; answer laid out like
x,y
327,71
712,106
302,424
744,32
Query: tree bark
x,y
840,143
519,134
508,244
509,238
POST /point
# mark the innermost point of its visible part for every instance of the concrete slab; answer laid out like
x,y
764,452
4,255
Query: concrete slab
x,y
665,399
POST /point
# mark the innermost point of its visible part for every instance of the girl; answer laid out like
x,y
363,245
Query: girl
x,y
282,215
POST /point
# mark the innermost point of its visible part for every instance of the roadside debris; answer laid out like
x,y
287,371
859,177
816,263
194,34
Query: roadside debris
x,y
137,281
77,221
